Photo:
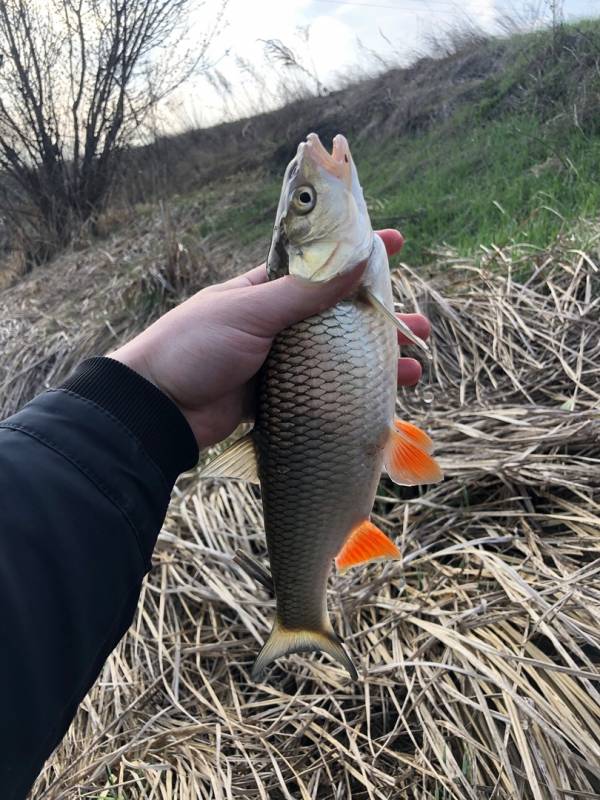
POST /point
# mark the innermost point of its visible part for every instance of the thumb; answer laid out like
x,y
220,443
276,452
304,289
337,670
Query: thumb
x,y
285,301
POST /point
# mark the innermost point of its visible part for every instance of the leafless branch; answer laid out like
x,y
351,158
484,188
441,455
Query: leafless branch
x,y
77,80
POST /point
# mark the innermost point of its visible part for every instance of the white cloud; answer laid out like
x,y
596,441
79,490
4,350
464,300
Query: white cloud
x,y
331,43
333,46
484,12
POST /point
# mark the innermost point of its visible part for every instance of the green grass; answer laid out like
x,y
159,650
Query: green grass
x,y
248,211
518,163
509,180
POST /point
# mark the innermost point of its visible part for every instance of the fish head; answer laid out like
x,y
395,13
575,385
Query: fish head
x,y
322,227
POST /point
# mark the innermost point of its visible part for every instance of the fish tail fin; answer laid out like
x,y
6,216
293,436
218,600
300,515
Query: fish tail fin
x,y
282,642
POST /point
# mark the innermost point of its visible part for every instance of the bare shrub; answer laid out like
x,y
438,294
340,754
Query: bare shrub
x,y
77,81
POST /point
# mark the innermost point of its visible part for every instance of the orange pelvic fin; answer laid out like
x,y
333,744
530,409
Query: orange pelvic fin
x,y
365,543
407,456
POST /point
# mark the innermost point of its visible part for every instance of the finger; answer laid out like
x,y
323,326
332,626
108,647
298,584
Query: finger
x,y
285,301
409,371
254,276
392,239
418,324
251,278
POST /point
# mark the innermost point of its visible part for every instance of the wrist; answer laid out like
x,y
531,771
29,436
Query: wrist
x,y
132,355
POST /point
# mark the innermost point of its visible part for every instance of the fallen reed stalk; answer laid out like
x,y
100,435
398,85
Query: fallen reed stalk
x,y
479,651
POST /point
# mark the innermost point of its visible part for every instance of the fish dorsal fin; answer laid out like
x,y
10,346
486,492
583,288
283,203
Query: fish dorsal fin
x,y
238,461
398,323
365,543
407,456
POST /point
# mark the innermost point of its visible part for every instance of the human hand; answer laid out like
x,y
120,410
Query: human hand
x,y
205,353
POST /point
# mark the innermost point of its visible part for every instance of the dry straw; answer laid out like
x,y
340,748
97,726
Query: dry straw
x,y
479,652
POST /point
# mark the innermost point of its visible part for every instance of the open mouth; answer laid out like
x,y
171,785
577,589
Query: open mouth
x,y
337,162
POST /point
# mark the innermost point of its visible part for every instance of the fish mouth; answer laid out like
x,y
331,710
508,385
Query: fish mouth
x,y
337,163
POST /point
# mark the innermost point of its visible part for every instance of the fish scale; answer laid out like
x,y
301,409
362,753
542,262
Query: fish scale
x,y
326,397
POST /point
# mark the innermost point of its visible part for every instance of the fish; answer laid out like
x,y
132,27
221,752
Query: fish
x,y
325,423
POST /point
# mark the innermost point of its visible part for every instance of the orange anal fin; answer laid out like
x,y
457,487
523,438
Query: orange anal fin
x,y
365,543
407,458
416,435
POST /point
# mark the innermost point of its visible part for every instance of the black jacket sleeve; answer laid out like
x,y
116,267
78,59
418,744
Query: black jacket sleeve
x,y
86,472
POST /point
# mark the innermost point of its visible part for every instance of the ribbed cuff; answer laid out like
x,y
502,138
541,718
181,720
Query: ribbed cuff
x,y
147,412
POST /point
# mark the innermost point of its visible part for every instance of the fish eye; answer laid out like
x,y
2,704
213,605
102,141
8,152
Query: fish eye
x,y
304,199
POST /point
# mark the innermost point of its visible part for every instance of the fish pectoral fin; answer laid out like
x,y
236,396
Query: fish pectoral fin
x,y
397,323
282,642
365,543
238,461
407,456
418,437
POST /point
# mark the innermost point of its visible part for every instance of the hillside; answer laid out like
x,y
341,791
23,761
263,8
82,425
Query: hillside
x,y
479,651
497,142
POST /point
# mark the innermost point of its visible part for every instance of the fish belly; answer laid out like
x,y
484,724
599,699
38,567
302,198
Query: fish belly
x,y
326,403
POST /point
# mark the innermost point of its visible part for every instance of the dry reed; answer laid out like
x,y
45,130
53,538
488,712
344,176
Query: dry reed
x,y
479,651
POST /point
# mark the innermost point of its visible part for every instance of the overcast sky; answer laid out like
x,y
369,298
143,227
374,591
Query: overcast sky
x,y
340,34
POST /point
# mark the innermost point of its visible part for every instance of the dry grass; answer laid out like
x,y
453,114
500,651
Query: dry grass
x,y
100,295
479,651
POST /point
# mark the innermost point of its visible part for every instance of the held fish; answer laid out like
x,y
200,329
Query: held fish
x,y
325,422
